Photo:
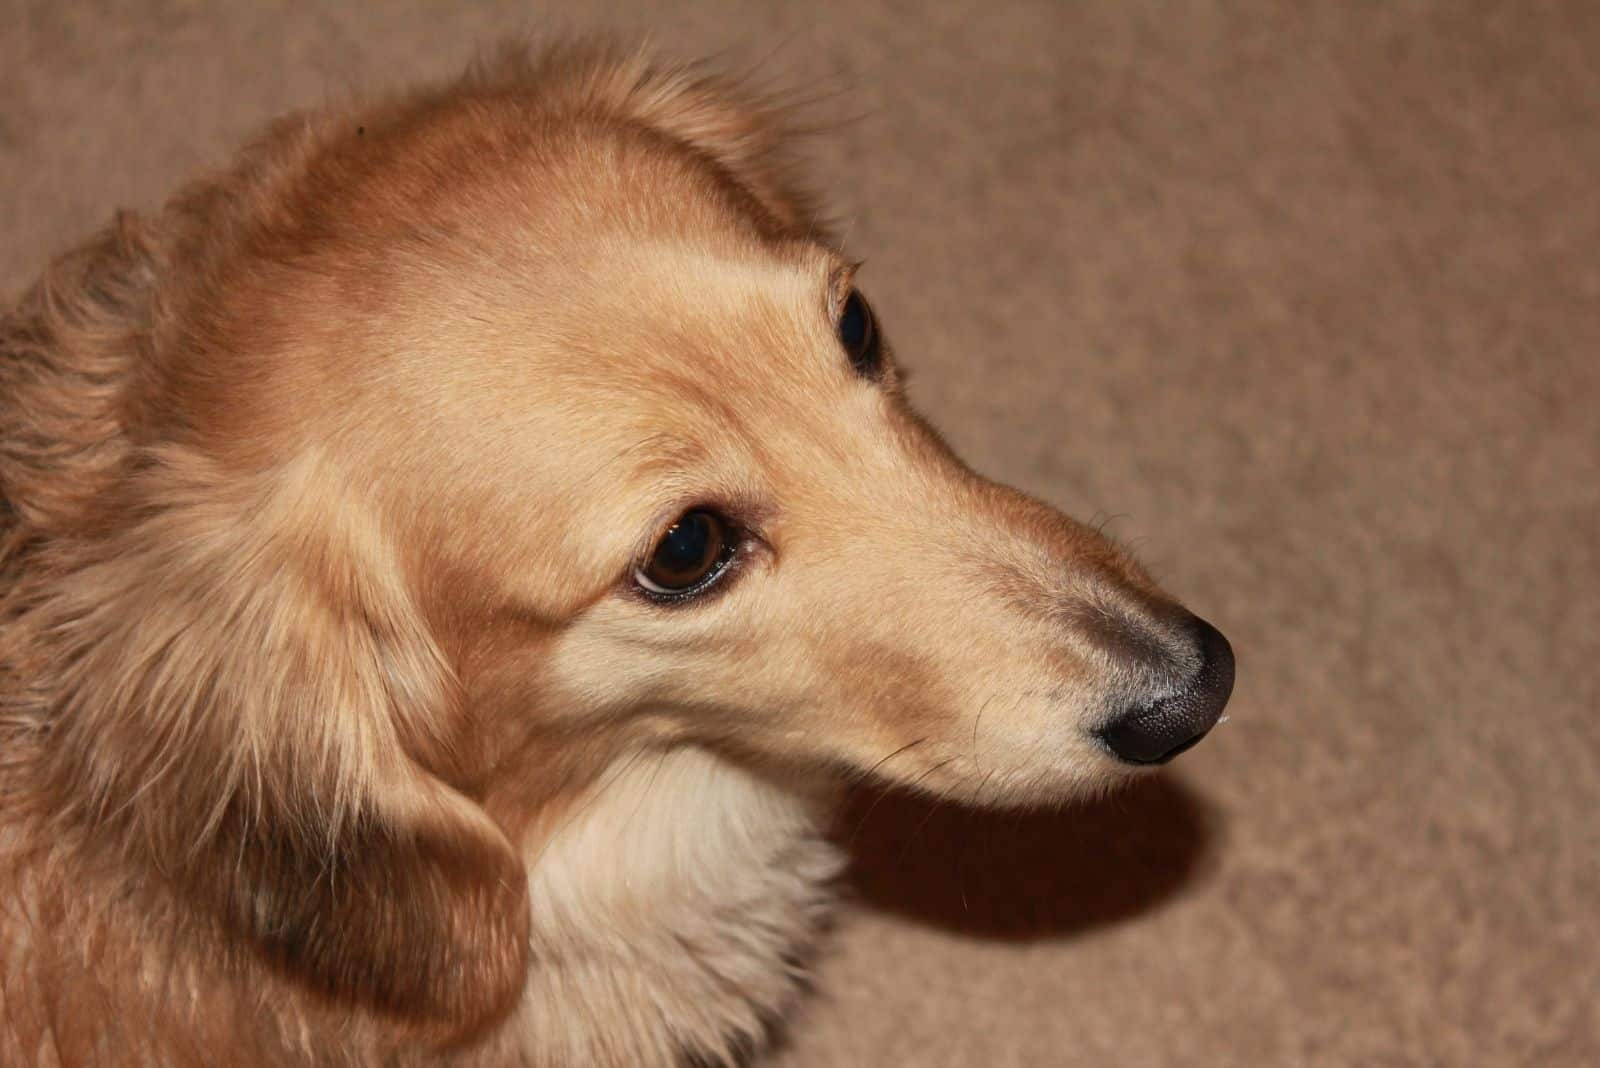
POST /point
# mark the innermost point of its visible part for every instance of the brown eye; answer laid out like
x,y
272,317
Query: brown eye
x,y
689,557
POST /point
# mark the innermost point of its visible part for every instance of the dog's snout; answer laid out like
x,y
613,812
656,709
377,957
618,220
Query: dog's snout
x,y
1154,732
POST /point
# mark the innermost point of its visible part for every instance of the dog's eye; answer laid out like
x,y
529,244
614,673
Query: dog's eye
x,y
858,333
689,557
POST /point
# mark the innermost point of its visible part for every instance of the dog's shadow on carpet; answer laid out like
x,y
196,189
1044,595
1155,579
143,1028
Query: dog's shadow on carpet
x,y
1023,875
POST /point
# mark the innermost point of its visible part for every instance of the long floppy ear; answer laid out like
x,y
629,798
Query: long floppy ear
x,y
243,699
747,134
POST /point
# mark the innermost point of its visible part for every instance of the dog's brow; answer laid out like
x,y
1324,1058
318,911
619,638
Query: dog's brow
x,y
660,454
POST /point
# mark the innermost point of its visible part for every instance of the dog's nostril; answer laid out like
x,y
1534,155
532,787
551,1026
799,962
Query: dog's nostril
x,y
1156,732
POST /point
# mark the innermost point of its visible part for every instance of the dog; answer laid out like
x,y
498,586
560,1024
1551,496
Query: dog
x,y
450,561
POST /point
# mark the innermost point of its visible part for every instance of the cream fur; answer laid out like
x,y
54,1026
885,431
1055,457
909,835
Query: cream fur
x,y
675,907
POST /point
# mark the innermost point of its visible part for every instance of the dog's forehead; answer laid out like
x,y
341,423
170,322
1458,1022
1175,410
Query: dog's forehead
x,y
598,323
685,359
649,376
610,254
638,370
733,308
647,305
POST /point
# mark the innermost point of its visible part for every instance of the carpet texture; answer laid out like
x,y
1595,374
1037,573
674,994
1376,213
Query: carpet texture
x,y
1306,299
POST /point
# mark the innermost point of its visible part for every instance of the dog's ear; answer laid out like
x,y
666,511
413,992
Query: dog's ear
x,y
747,134
244,701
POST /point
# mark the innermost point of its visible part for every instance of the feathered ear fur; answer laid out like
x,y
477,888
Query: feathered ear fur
x,y
746,134
238,698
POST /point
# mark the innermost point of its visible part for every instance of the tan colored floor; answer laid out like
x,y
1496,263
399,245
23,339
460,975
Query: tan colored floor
x,y
1309,299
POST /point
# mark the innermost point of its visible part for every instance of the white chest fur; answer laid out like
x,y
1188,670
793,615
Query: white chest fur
x,y
673,909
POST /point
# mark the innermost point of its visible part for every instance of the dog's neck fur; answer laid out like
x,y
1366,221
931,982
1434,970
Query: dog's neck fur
x,y
674,904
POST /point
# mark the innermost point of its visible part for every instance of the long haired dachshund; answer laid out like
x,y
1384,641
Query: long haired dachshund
x,y
448,561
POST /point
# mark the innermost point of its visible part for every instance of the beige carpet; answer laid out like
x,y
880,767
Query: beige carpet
x,y
1307,297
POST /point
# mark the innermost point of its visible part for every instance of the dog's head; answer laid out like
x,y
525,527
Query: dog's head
x,y
491,432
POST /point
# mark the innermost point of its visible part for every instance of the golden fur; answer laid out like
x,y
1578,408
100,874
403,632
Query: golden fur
x,y
331,730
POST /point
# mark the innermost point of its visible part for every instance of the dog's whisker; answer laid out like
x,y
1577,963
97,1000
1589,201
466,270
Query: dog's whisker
x,y
655,773
976,721
915,782
884,793
933,806
873,769
905,850
961,855
977,797
881,793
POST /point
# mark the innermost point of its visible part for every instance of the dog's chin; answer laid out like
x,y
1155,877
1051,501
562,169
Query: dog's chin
x,y
1013,781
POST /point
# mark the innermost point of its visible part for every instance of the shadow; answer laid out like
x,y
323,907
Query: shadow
x,y
1026,874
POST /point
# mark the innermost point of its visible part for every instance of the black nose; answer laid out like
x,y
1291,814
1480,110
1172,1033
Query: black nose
x,y
1155,733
